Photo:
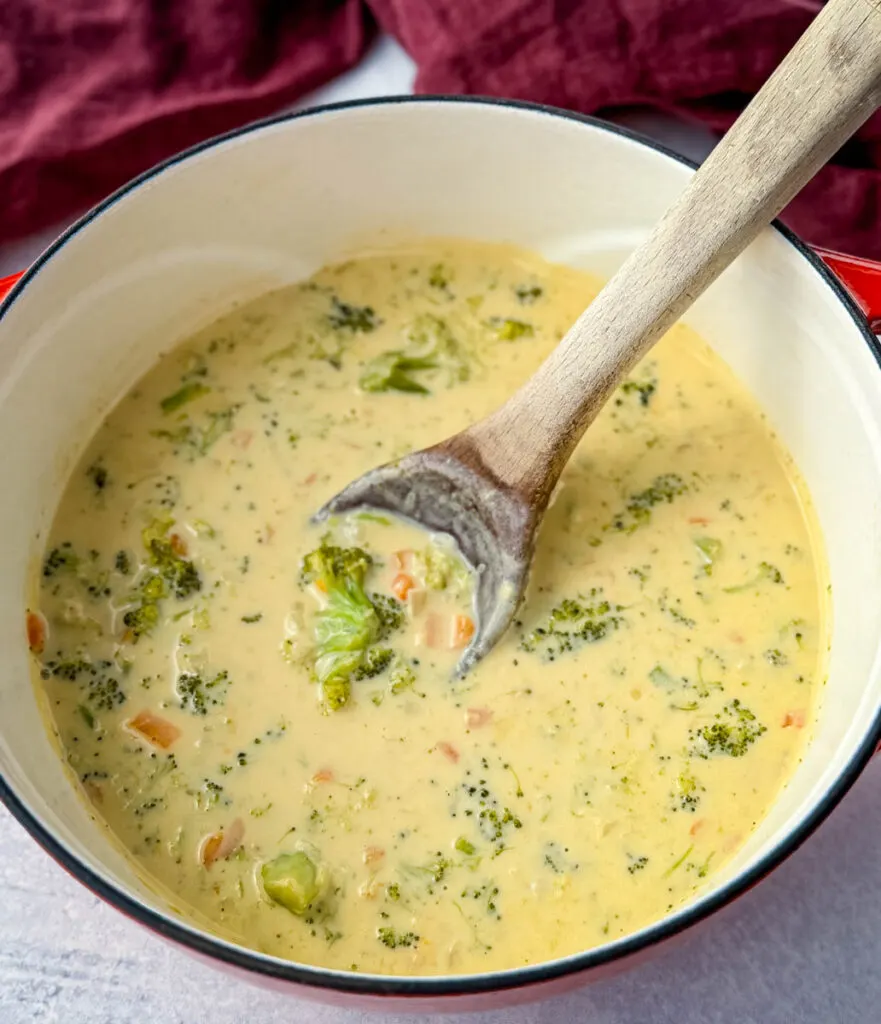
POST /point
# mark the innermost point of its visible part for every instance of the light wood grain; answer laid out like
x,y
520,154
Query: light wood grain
x,y
823,91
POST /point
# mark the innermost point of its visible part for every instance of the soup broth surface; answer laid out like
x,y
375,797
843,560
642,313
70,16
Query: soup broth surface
x,y
263,712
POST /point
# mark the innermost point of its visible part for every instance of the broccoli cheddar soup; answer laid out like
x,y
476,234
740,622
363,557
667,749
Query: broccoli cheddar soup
x,y
264,713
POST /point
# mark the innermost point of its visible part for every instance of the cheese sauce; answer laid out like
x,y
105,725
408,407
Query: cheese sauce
x,y
263,712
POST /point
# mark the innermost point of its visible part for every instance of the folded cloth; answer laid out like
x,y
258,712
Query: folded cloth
x,y
94,91
699,59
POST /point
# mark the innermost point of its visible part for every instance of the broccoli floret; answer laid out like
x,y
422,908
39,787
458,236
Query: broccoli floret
x,y
122,563
179,573
188,393
643,389
508,329
432,347
396,940
775,656
573,623
349,317
528,293
439,276
638,510
390,613
393,371
331,565
441,567
375,662
61,559
195,440
351,623
401,678
736,728
766,573
142,619
295,882
196,694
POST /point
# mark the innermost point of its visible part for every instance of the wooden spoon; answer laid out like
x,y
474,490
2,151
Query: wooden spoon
x,y
488,486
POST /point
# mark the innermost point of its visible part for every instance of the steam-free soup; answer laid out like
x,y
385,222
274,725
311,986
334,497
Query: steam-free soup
x,y
263,712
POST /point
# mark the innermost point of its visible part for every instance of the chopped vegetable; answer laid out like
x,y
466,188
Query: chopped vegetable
x,y
396,940
295,882
196,693
441,567
638,510
188,393
573,623
154,728
736,728
508,329
36,632
709,550
349,317
766,573
432,347
448,750
402,584
463,630
528,293
222,844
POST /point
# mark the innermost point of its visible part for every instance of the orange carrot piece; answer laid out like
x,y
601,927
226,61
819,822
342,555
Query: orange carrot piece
x,y
795,719
154,728
321,585
402,584
477,717
323,775
448,750
178,544
696,827
373,854
463,630
222,844
36,631
699,520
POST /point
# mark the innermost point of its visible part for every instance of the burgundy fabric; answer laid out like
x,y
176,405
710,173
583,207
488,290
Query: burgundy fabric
x,y
93,91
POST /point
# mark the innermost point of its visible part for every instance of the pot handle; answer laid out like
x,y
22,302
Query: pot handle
x,y
861,277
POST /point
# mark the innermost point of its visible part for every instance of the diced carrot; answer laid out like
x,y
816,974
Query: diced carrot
x,y
477,717
178,544
463,630
154,728
699,520
321,585
448,750
36,631
696,827
373,854
310,479
736,638
222,844
404,559
322,775
795,719
402,584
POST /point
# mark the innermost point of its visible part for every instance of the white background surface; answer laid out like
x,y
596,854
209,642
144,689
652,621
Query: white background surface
x,y
804,946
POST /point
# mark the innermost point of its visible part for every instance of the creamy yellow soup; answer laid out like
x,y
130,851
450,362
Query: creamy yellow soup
x,y
263,712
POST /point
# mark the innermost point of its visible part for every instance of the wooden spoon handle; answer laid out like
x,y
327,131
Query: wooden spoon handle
x,y
822,92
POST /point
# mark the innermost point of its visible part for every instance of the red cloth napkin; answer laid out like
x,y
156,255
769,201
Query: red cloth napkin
x,y
93,91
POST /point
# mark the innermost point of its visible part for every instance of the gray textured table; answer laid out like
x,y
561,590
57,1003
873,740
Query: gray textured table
x,y
805,946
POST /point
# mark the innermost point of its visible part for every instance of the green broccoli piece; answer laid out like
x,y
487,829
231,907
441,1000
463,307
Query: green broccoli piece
x,y
61,560
709,550
401,678
345,316
736,728
573,623
179,573
390,613
396,940
508,329
432,346
195,693
464,846
295,882
439,276
188,393
638,510
392,371
766,573
441,567
527,294
331,565
142,619
643,389
375,662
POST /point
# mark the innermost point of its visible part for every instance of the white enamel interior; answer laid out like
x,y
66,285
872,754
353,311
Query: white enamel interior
x,y
273,205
